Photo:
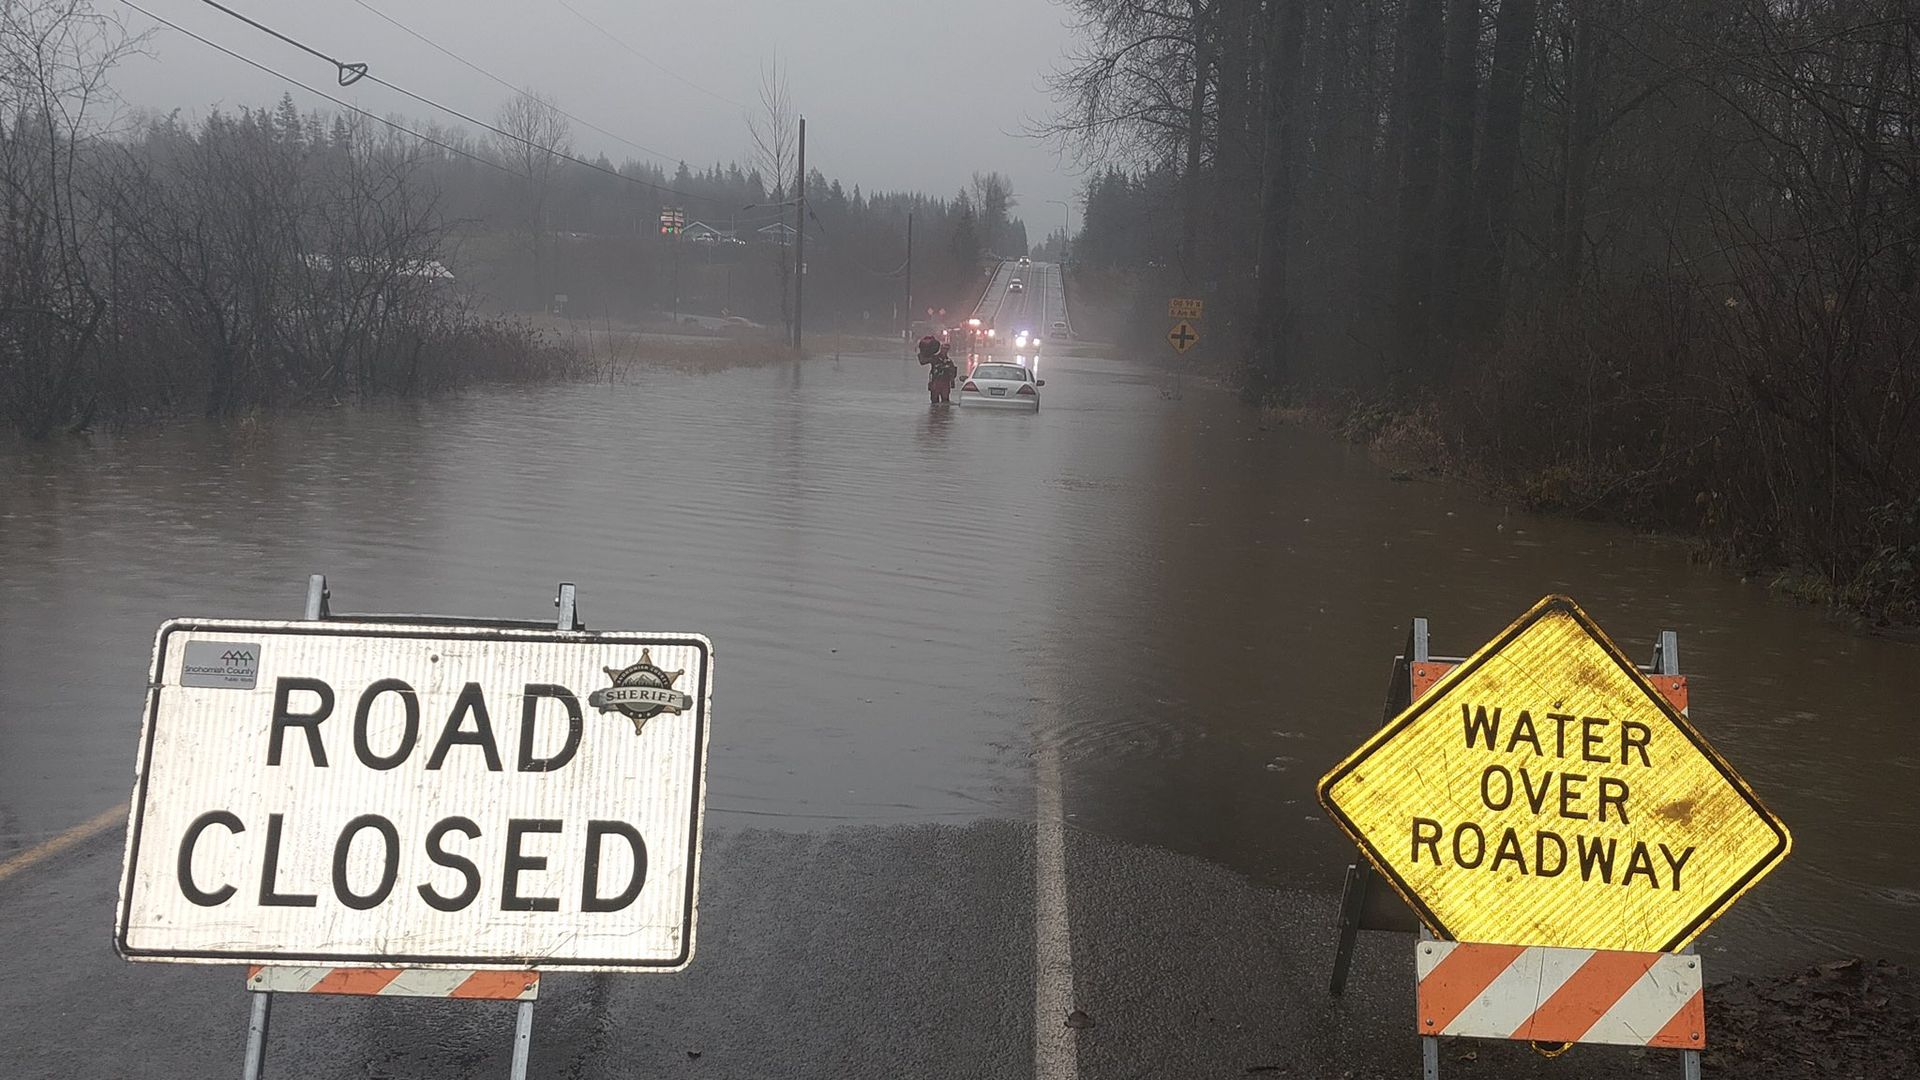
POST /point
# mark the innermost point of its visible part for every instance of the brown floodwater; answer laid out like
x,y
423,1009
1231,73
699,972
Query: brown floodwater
x,y
1199,611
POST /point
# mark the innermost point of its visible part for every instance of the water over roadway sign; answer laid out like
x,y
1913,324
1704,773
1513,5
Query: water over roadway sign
x,y
1545,793
367,794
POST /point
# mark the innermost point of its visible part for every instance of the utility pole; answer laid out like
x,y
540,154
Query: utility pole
x,y
800,235
907,331
1068,239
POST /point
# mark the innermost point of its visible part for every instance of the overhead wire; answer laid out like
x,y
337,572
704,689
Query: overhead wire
x,y
349,106
583,122
523,140
348,73
450,111
610,36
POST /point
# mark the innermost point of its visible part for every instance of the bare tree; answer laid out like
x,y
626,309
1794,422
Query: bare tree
x,y
54,98
537,142
774,131
993,198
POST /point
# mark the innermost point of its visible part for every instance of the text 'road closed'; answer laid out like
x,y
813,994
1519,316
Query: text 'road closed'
x,y
422,795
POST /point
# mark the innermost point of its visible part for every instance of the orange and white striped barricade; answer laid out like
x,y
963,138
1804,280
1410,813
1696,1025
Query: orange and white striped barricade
x,y
1555,995
523,987
457,985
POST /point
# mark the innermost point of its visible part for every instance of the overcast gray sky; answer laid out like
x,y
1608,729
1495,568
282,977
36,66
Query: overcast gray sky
x,y
898,94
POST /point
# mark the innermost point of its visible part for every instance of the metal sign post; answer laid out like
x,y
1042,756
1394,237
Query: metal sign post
x,y
265,982
1549,984
398,805
1547,792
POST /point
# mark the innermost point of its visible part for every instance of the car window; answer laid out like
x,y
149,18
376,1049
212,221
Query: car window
x,y
1000,371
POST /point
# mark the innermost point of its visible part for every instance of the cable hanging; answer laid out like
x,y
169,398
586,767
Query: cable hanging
x,y
348,73
350,107
588,124
450,111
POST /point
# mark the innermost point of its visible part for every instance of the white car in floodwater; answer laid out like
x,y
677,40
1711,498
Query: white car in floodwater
x,y
1001,386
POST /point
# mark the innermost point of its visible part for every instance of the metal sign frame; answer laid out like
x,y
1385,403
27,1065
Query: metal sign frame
x,y
319,609
1697,915
186,759
1365,907
1765,838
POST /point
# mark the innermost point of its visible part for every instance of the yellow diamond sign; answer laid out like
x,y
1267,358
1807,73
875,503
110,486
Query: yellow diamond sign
x,y
1545,793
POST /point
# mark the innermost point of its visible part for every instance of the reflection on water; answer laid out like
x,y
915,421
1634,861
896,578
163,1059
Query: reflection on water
x,y
1200,612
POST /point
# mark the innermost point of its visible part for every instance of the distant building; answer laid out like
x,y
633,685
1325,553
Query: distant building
x,y
427,269
778,233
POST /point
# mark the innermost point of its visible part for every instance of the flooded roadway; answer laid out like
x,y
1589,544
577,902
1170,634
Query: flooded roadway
x,y
1193,614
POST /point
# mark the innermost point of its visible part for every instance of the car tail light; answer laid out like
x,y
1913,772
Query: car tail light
x,y
1025,390
969,388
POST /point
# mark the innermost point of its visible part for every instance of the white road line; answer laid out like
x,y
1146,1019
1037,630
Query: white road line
x,y
1054,1053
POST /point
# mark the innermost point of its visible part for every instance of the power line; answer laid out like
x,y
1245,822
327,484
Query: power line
x,y
450,111
402,128
322,93
523,140
650,60
476,67
348,73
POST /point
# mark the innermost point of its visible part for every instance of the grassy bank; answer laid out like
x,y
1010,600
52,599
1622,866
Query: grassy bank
x,y
1447,433
612,352
1770,424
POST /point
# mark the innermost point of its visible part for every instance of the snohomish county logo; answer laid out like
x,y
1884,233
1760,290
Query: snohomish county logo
x,y
641,692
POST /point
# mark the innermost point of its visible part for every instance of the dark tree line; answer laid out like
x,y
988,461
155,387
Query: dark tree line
x,y
547,225
256,258
607,255
151,266
252,259
1656,256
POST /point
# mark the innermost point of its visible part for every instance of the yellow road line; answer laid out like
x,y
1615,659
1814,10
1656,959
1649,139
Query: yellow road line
x,y
79,834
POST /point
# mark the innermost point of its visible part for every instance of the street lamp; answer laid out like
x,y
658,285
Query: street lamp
x,y
1069,237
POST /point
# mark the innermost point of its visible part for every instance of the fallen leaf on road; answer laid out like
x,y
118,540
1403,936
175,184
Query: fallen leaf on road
x,y
1077,1020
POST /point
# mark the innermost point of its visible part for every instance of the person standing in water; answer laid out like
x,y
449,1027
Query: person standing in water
x,y
943,371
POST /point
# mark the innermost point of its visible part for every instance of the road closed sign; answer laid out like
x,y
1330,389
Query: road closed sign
x,y
1544,792
369,794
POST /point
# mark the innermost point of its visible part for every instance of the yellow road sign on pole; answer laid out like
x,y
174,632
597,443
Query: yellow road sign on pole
x,y
1178,308
1545,793
1183,336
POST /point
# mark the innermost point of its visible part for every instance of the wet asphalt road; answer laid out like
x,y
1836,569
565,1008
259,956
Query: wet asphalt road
x,y
1180,615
